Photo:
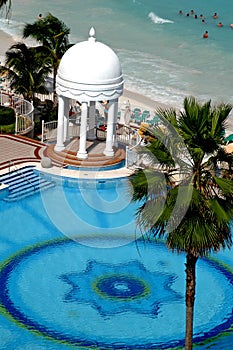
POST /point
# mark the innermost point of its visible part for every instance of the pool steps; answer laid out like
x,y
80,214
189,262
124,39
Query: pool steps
x,y
24,182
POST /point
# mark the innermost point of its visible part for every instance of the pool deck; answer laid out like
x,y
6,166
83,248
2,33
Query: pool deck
x,y
19,151
86,174
15,151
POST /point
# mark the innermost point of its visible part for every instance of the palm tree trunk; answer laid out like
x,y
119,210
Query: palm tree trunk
x,y
190,298
55,99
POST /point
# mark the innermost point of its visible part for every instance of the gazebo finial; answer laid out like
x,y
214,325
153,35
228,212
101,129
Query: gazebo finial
x,y
92,34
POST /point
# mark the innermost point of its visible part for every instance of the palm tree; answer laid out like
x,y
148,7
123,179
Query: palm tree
x,y
191,213
26,69
8,6
52,34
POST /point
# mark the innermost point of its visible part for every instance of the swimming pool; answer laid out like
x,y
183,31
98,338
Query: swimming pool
x,y
103,168
73,275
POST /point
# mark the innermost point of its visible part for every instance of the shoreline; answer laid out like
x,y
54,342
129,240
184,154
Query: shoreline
x,y
140,100
6,42
136,99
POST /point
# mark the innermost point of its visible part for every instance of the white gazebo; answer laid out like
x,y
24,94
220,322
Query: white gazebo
x,y
89,71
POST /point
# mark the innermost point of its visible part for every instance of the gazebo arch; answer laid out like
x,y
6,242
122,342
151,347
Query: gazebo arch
x,y
89,71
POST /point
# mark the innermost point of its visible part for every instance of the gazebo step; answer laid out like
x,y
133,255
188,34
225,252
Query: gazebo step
x,y
94,156
93,160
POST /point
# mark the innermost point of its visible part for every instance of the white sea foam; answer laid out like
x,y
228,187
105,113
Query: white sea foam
x,y
12,28
15,30
158,20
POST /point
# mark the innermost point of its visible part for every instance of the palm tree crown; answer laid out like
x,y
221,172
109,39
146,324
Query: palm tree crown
x,y
52,34
27,69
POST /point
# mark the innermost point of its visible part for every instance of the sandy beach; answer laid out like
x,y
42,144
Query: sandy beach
x,y
136,99
6,41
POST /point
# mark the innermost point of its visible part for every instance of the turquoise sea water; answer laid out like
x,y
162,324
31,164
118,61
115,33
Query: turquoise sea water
x,y
163,54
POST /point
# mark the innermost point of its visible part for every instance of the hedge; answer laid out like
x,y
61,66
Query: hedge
x,y
7,115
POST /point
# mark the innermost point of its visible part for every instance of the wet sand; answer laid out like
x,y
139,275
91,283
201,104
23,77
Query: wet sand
x,y
5,42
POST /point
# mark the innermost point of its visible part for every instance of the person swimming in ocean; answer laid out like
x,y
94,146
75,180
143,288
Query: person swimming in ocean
x,y
206,35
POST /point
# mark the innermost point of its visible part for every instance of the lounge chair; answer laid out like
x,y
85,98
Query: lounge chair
x,y
153,121
229,138
137,115
145,115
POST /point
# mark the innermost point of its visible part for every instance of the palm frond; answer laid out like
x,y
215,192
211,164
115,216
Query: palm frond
x,y
195,213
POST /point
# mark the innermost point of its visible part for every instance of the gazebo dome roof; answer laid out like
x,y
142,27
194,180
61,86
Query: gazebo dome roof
x,y
90,71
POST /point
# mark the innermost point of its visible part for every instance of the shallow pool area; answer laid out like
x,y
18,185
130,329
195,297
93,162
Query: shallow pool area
x,y
75,273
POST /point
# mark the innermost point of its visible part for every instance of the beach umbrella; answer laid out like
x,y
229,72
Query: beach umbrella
x,y
126,113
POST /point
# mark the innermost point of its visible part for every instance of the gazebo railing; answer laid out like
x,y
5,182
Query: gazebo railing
x,y
49,129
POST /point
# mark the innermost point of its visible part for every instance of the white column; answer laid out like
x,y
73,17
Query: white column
x,y
60,125
66,118
115,143
91,131
110,129
16,123
42,131
82,153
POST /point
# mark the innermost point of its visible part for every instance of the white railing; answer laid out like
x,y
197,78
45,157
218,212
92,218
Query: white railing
x,y
20,173
49,129
23,109
132,158
127,135
42,97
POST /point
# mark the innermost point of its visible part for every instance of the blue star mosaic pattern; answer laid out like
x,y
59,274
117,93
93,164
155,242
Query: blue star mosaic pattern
x,y
114,289
109,299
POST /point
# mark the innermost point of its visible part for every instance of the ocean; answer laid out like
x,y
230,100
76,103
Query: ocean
x,y
162,53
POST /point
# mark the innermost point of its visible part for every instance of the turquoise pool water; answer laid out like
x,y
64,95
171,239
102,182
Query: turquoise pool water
x,y
104,168
73,276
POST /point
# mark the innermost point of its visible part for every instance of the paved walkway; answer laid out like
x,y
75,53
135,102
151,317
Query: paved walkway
x,y
15,150
18,150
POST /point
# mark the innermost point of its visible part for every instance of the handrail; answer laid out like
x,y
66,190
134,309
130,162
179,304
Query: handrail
x,y
23,109
131,130
20,173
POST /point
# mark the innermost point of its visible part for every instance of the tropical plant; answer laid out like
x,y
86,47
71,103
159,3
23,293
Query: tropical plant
x,y
7,120
26,69
8,5
52,34
191,212
7,115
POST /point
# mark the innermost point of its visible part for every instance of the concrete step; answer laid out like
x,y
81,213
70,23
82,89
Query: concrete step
x,y
24,182
27,192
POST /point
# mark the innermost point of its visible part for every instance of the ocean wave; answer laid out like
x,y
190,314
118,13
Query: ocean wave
x,y
12,28
15,30
158,20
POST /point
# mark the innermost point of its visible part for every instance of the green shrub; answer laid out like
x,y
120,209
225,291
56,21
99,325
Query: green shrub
x,y
7,129
7,115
